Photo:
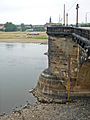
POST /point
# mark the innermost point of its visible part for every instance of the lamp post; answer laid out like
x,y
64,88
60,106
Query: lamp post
x,y
64,16
50,20
77,6
66,19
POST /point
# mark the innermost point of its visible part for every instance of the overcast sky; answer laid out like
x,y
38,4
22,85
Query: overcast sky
x,y
39,11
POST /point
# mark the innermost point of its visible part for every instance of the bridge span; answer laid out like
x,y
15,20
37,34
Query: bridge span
x,y
63,42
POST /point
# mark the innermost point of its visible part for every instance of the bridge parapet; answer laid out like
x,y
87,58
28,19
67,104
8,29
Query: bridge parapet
x,y
58,30
82,32
80,36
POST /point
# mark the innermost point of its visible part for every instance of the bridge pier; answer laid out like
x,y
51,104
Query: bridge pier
x,y
53,82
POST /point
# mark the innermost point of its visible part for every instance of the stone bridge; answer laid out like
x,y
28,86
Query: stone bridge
x,y
63,42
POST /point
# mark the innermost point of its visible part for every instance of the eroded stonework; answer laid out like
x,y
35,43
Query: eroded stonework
x,y
53,82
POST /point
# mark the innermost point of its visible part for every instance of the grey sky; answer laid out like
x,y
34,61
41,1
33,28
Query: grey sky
x,y
39,11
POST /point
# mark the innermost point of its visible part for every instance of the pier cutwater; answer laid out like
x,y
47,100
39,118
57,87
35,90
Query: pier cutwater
x,y
63,42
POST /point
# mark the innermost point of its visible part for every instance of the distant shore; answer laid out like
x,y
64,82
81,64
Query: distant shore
x,y
42,41
24,37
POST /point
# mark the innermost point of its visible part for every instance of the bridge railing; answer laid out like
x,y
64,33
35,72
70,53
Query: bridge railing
x,y
68,30
82,32
59,30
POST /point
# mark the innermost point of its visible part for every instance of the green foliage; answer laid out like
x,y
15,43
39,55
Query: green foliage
x,y
1,30
23,28
85,25
39,29
9,27
59,24
30,25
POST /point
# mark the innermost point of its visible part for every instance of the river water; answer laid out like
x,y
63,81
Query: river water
x,y
20,67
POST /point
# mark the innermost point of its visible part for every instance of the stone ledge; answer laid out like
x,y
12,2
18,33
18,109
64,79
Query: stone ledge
x,y
47,98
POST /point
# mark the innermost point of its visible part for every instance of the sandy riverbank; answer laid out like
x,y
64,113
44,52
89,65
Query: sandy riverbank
x,y
42,41
23,37
76,110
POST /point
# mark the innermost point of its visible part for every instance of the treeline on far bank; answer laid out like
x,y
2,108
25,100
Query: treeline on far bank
x,y
10,27
85,25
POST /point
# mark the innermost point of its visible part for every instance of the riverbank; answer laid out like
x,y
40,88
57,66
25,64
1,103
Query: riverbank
x,y
41,41
23,37
76,110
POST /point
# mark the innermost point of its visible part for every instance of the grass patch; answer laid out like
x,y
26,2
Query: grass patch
x,y
22,35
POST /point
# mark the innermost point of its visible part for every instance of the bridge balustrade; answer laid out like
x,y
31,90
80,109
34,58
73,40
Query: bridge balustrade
x,y
79,35
82,32
59,30
68,30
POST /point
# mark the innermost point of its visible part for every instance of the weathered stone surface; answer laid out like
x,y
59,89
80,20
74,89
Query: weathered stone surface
x,y
83,81
53,82
59,51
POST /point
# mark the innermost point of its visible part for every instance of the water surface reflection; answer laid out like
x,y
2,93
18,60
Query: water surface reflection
x,y
20,67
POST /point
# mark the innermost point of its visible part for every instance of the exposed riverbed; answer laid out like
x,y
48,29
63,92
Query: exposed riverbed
x,y
76,110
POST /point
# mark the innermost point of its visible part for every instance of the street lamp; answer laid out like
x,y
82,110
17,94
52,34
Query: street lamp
x,y
66,19
64,16
77,6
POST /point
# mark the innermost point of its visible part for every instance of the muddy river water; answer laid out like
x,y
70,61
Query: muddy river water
x,y
20,67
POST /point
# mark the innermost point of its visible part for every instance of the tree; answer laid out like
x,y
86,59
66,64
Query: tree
x,y
9,27
23,28
42,29
30,25
85,25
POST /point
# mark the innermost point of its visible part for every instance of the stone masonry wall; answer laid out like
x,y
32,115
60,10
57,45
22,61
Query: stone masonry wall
x,y
59,50
83,56
53,82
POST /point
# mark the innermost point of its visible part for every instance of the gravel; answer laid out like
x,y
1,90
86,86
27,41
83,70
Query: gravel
x,y
75,110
